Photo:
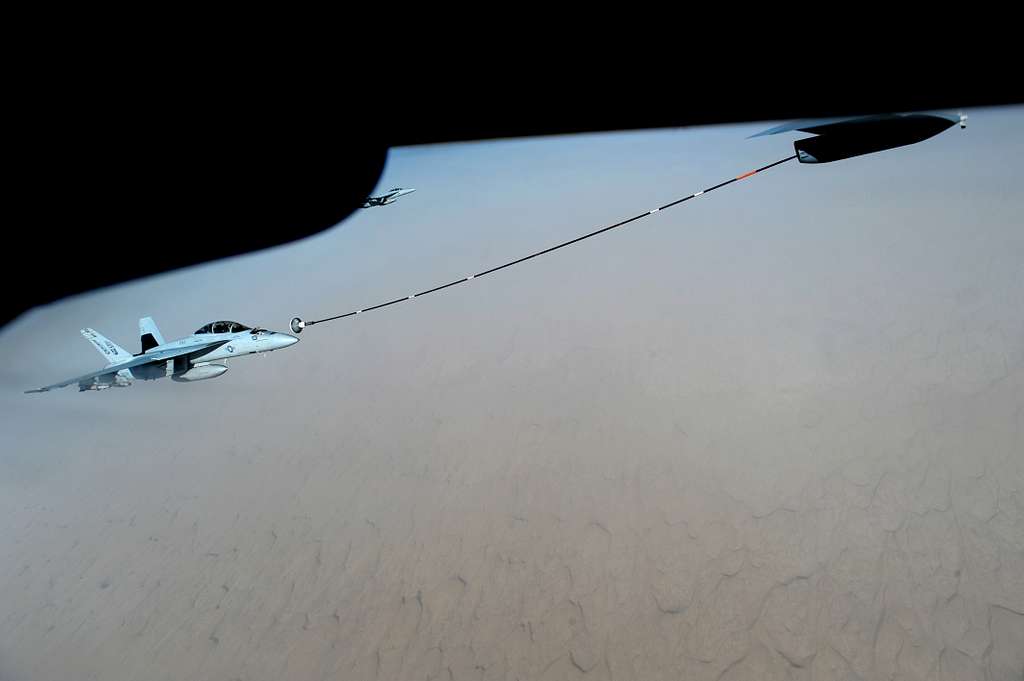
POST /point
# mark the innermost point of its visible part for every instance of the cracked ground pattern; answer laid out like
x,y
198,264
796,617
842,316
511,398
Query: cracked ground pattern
x,y
814,479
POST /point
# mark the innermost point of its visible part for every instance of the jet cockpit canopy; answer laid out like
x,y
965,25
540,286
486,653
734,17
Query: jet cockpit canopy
x,y
223,327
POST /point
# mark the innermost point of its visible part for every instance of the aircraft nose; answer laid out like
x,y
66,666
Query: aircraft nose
x,y
284,340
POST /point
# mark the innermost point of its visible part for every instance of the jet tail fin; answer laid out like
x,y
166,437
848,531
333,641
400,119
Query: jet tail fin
x,y
114,353
149,335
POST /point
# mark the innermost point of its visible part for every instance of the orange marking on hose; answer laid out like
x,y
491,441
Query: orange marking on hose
x,y
746,174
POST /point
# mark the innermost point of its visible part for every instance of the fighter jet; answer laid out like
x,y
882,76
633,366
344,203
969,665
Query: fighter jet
x,y
193,358
390,196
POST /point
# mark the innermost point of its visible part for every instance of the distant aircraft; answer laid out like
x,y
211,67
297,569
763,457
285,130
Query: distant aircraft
x,y
390,196
190,359
839,138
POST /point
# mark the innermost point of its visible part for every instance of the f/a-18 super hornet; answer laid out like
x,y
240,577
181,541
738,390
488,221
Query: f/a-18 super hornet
x,y
193,358
390,196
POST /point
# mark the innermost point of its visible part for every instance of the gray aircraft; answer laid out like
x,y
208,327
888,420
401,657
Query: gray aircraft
x,y
193,358
387,198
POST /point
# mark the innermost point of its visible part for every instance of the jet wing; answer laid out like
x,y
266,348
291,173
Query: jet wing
x,y
799,125
148,358
829,125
